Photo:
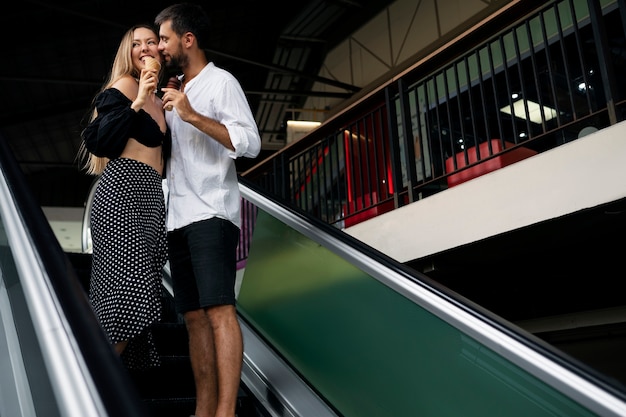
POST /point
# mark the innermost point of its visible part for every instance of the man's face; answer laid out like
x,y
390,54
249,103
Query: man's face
x,y
170,46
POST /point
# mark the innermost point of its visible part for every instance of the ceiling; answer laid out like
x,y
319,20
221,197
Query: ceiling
x,y
57,55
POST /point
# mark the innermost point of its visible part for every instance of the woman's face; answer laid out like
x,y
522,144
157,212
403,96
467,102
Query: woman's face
x,y
145,43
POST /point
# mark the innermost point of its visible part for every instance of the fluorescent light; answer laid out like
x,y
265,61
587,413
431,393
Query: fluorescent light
x,y
297,129
304,124
534,111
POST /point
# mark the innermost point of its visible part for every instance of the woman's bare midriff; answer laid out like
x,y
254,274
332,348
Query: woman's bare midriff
x,y
150,156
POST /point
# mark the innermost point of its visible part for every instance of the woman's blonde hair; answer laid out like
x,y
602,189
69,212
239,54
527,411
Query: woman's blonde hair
x,y
122,66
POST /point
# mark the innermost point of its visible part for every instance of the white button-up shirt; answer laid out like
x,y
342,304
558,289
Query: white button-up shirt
x,y
201,174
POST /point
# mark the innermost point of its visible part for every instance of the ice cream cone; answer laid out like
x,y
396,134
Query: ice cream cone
x,y
152,63
173,82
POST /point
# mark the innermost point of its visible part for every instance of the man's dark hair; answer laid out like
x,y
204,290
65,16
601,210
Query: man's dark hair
x,y
187,17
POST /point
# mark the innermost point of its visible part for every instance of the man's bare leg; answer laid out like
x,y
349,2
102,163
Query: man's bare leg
x,y
229,355
202,354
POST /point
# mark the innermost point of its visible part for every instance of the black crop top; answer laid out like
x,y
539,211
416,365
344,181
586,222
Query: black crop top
x,y
108,133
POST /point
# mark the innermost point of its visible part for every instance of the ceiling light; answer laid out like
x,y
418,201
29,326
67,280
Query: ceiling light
x,y
297,129
534,111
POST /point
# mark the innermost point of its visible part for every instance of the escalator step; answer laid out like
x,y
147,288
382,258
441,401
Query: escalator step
x,y
171,339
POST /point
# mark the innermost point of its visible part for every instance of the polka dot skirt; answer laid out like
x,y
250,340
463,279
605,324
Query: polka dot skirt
x,y
129,252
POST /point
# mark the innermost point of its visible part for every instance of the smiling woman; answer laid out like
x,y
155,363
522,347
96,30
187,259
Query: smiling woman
x,y
126,144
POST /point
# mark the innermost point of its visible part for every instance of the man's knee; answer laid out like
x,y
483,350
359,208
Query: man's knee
x,y
223,318
221,312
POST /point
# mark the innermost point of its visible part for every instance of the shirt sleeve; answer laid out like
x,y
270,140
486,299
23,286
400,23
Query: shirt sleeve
x,y
236,115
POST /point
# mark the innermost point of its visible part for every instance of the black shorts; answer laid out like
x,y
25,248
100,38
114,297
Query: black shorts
x,y
203,263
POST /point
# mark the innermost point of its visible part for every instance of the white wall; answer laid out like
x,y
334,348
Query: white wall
x,y
67,225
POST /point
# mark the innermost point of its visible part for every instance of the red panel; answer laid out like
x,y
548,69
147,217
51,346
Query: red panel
x,y
486,166
369,213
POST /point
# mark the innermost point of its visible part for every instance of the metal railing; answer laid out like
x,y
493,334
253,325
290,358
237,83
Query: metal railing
x,y
56,360
544,79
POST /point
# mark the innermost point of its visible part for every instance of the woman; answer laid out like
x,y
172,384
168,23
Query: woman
x,y
126,141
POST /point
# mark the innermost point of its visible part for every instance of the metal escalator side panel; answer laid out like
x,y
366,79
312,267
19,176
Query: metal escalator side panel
x,y
61,363
372,342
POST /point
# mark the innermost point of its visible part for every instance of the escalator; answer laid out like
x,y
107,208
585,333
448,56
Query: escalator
x,y
375,338
54,358
331,328
56,361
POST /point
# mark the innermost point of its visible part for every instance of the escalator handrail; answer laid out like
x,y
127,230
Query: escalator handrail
x,y
87,377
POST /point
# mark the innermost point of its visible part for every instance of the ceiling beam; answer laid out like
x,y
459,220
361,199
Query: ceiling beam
x,y
290,71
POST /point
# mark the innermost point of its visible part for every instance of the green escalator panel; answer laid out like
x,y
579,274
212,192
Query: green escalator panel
x,y
370,351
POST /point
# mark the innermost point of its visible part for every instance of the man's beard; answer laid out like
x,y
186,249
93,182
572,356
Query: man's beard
x,y
175,63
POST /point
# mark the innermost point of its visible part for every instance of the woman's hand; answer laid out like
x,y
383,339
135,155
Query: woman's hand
x,y
148,81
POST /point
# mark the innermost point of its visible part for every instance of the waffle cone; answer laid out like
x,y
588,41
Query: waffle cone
x,y
151,63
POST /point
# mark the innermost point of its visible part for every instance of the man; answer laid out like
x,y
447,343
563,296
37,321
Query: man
x,y
211,125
